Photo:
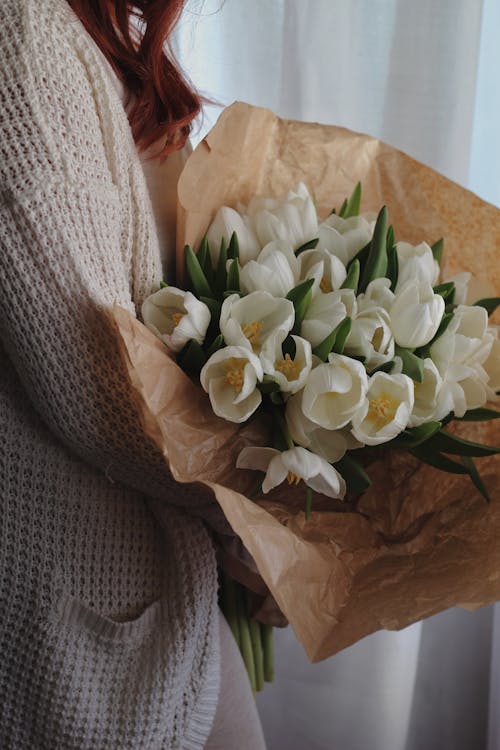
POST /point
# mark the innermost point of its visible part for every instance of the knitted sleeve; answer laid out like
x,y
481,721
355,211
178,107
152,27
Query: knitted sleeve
x,y
62,260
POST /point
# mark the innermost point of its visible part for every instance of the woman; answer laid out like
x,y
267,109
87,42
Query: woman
x,y
109,622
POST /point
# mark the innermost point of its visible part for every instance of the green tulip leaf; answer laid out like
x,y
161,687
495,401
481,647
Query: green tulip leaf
x,y
445,442
437,460
413,366
310,245
221,272
325,347
490,304
335,341
391,239
206,260
437,250
475,477
361,256
479,415
196,275
163,284
192,357
376,264
352,278
233,275
356,478
233,250
447,291
445,322
214,306
342,208
300,296
443,463
350,207
343,330
216,344
415,436
392,265
268,385
384,367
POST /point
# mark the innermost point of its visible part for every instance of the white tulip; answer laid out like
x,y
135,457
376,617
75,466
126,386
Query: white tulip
x,y
349,300
416,314
463,342
252,320
295,464
460,355
345,237
276,270
324,314
426,394
416,264
334,392
328,272
230,378
463,388
371,337
290,373
292,219
386,410
378,294
227,221
331,445
176,317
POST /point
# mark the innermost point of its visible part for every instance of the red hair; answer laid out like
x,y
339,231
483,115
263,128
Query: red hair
x,y
134,37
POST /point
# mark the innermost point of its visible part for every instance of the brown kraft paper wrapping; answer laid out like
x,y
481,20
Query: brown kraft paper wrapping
x,y
420,540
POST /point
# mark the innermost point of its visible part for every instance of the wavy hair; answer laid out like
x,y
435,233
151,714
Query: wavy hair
x,y
134,37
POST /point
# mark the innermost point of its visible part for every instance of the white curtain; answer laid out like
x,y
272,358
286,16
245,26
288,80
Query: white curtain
x,y
424,77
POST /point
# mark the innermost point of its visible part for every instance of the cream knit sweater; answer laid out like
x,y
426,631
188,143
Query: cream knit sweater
x,y
108,611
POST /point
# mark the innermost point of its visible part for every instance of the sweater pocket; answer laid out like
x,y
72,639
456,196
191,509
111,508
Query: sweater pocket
x,y
76,616
110,684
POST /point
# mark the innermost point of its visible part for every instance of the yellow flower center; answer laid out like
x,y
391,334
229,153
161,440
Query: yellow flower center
x,y
252,331
293,478
377,338
176,318
235,372
289,367
325,285
382,410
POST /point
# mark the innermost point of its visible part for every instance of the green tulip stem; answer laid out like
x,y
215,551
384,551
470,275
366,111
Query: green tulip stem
x,y
281,421
246,641
268,648
258,655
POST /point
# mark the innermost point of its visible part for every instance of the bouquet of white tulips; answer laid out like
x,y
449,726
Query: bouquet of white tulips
x,y
344,337
317,376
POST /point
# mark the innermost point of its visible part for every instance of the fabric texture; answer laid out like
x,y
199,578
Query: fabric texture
x,y
108,588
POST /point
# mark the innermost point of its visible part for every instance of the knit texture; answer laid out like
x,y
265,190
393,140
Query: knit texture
x,y
108,589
